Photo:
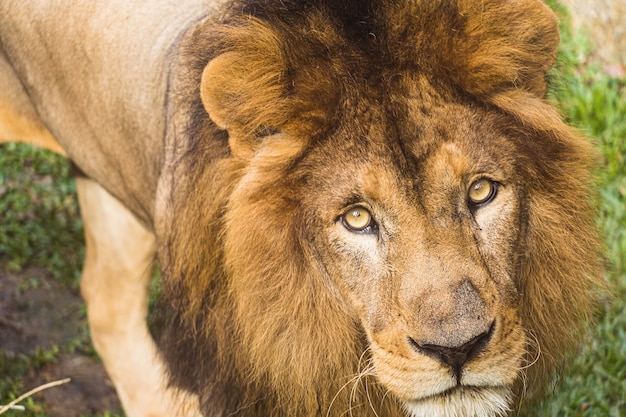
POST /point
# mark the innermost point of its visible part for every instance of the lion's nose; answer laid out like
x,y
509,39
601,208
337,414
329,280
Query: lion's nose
x,y
456,356
458,325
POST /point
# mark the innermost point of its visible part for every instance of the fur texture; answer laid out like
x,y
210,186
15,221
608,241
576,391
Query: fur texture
x,y
302,111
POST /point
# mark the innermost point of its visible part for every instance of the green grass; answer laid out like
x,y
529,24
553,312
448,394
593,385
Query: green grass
x,y
40,221
595,384
40,226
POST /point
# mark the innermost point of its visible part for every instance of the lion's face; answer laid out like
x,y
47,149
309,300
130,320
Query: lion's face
x,y
399,222
420,235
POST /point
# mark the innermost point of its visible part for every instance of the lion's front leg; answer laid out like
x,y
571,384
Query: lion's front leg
x,y
117,271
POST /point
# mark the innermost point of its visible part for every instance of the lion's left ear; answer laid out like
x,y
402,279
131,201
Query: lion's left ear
x,y
503,45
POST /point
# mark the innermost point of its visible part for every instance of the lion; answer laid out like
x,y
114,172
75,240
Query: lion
x,y
365,207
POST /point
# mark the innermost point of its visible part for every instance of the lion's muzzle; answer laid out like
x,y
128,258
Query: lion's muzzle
x,y
457,329
449,352
456,356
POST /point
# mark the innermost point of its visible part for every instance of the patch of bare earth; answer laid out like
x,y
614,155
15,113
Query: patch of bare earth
x,y
37,312
604,21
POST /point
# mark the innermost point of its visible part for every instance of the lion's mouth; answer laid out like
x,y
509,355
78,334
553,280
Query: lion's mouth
x,y
459,389
464,400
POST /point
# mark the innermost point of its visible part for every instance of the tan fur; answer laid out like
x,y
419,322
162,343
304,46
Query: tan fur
x,y
16,127
19,121
117,299
282,117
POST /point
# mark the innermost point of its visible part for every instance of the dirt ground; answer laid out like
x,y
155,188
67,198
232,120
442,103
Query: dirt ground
x,y
36,311
605,23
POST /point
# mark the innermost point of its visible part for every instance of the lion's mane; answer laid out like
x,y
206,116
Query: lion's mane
x,y
254,325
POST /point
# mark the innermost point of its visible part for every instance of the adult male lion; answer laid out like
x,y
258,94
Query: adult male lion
x,y
360,207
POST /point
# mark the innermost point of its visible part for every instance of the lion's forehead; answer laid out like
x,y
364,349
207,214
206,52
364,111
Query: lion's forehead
x,y
413,149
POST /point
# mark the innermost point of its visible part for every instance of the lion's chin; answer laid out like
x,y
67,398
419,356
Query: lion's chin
x,y
463,402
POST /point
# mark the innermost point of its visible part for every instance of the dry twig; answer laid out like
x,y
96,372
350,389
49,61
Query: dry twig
x,y
5,408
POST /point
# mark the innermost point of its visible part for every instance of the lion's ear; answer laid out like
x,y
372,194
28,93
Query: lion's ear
x,y
239,93
505,44
243,88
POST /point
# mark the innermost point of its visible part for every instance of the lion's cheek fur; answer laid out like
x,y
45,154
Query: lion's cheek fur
x,y
289,314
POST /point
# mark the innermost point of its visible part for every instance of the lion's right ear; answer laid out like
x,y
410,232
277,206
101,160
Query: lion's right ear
x,y
243,88
239,93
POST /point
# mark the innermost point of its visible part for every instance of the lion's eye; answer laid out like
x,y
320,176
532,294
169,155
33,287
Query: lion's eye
x,y
359,220
482,192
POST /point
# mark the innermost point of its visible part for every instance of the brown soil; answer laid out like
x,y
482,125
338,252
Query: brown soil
x,y
37,312
604,21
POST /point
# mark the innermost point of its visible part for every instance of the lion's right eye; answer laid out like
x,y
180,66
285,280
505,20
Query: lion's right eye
x,y
359,220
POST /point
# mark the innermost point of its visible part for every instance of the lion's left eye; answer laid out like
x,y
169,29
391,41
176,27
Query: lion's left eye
x,y
482,192
359,220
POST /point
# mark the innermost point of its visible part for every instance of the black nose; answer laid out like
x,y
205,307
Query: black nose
x,y
456,356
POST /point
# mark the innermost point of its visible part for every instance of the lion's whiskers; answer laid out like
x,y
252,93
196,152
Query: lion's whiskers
x,y
369,399
360,377
363,371
533,351
536,351
356,377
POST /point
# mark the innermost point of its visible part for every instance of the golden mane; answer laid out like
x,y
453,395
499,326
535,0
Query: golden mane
x,y
253,323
